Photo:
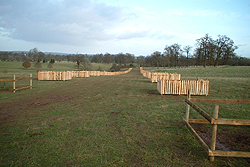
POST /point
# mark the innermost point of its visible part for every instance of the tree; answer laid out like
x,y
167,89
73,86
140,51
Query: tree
x,y
174,51
165,59
4,56
169,56
157,56
81,62
52,61
79,59
187,50
129,58
205,45
141,61
225,48
26,64
115,68
107,58
120,59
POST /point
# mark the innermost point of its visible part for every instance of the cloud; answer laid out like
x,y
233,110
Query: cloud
x,y
63,22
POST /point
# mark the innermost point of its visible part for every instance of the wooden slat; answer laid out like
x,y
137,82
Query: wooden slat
x,y
221,101
20,88
9,80
202,121
7,89
197,137
202,112
231,122
219,153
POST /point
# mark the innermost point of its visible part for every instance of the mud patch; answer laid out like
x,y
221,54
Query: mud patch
x,y
228,139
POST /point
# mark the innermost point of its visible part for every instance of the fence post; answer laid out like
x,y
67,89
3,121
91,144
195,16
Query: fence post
x,y
14,84
207,86
30,81
188,107
214,131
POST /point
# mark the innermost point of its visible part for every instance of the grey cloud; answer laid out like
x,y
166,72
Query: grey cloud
x,y
64,22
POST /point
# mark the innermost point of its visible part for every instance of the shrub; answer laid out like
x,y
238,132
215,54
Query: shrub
x,y
26,64
115,68
52,61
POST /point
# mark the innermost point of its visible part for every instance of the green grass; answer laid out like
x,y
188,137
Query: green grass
x,y
17,68
221,71
108,121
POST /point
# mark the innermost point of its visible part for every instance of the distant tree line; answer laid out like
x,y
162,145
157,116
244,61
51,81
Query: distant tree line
x,y
207,52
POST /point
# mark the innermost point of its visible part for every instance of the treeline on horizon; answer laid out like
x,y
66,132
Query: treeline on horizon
x,y
208,52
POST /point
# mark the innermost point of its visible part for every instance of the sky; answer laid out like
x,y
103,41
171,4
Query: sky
x,y
139,27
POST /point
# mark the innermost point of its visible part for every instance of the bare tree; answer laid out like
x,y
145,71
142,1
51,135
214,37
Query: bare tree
x,y
157,56
175,51
205,45
187,50
80,60
225,48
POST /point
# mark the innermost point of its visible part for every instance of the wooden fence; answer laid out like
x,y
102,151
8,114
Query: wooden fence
x,y
68,75
80,74
94,73
54,75
214,121
146,74
154,76
15,83
181,87
166,76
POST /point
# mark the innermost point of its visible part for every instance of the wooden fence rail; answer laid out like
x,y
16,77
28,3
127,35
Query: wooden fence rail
x,y
181,87
214,121
15,83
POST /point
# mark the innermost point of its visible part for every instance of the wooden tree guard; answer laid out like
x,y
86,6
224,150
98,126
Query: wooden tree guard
x,y
54,75
14,87
181,87
68,75
165,76
214,121
80,74
154,76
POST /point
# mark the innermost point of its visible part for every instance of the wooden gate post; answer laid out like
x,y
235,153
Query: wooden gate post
x,y
214,131
14,84
188,107
30,81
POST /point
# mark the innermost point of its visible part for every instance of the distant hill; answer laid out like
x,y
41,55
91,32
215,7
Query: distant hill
x,y
54,53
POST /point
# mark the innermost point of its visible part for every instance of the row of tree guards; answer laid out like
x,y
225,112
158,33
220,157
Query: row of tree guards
x,y
172,84
15,83
168,83
68,75
18,83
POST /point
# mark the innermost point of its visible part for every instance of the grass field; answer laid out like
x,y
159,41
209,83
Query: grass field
x,y
114,120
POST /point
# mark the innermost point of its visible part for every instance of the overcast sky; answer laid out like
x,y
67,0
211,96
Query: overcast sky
x,y
139,27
